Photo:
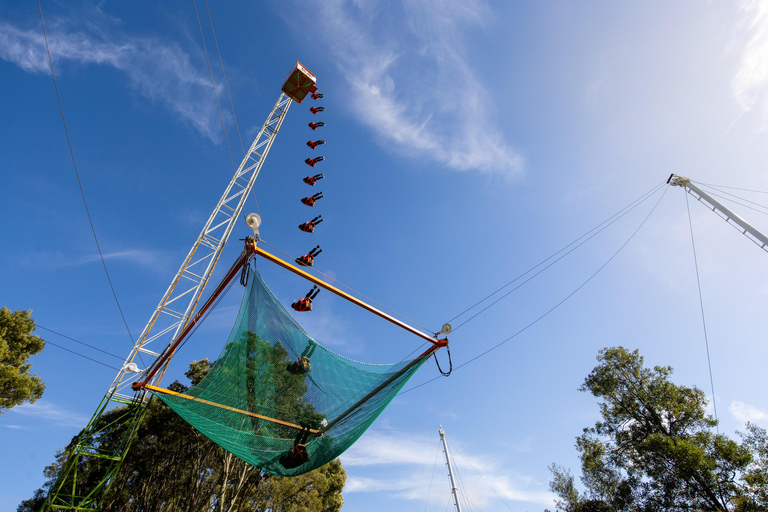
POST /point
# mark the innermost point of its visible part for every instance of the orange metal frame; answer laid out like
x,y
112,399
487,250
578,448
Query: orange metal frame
x,y
252,248
309,277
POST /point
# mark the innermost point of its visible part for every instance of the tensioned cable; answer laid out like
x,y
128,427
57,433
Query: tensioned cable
x,y
719,187
349,288
722,195
38,326
732,188
434,467
81,355
216,94
594,232
481,476
77,174
229,94
701,304
550,310
610,220
464,494
216,42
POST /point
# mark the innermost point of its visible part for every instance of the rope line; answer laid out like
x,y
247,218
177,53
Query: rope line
x,y
478,474
350,288
553,308
38,326
77,174
732,188
701,305
434,467
760,208
226,84
82,355
586,237
216,94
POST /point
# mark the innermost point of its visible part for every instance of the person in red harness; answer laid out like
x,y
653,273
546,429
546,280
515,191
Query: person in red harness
x,y
298,454
303,365
315,126
311,180
314,143
317,95
310,200
315,110
309,226
313,161
308,259
305,304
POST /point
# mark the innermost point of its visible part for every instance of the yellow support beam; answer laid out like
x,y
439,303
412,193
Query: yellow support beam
x,y
164,391
322,284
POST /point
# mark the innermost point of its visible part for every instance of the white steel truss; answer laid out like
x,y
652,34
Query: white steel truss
x,y
186,288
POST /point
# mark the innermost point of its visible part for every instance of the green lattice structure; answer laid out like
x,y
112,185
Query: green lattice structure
x,y
253,406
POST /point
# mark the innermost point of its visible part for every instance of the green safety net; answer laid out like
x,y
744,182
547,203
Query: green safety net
x,y
257,372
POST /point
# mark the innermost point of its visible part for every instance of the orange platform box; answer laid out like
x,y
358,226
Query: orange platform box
x,y
299,83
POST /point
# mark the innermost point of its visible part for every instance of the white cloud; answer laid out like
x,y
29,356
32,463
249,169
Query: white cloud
x,y
49,411
746,412
750,84
160,71
410,459
412,84
156,260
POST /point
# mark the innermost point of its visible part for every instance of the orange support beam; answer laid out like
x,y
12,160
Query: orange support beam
x,y
164,391
322,284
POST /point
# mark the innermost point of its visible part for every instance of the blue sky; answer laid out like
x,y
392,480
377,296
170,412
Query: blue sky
x,y
467,142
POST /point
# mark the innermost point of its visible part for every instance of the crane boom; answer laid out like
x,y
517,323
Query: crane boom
x,y
730,217
166,323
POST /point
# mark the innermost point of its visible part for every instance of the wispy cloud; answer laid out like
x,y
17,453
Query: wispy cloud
x,y
147,258
750,84
745,412
413,457
49,411
411,81
161,71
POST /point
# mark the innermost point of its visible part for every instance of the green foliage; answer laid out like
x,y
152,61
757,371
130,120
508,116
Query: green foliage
x,y
654,448
172,467
17,344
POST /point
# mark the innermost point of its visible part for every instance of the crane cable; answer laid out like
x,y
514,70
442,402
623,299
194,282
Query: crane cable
x,y
701,305
213,83
79,183
576,244
226,84
342,285
453,447
553,308
434,467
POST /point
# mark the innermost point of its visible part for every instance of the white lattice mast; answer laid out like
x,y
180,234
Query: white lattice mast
x,y
173,311
727,215
454,491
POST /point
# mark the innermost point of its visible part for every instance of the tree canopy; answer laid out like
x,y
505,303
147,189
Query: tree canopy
x,y
17,344
654,448
172,467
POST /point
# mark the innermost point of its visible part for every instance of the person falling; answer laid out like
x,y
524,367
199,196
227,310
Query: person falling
x,y
311,180
313,161
310,200
309,226
308,259
305,304
315,126
315,110
314,143
298,454
317,95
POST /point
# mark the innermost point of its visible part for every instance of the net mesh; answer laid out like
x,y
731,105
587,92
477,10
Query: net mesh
x,y
258,372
